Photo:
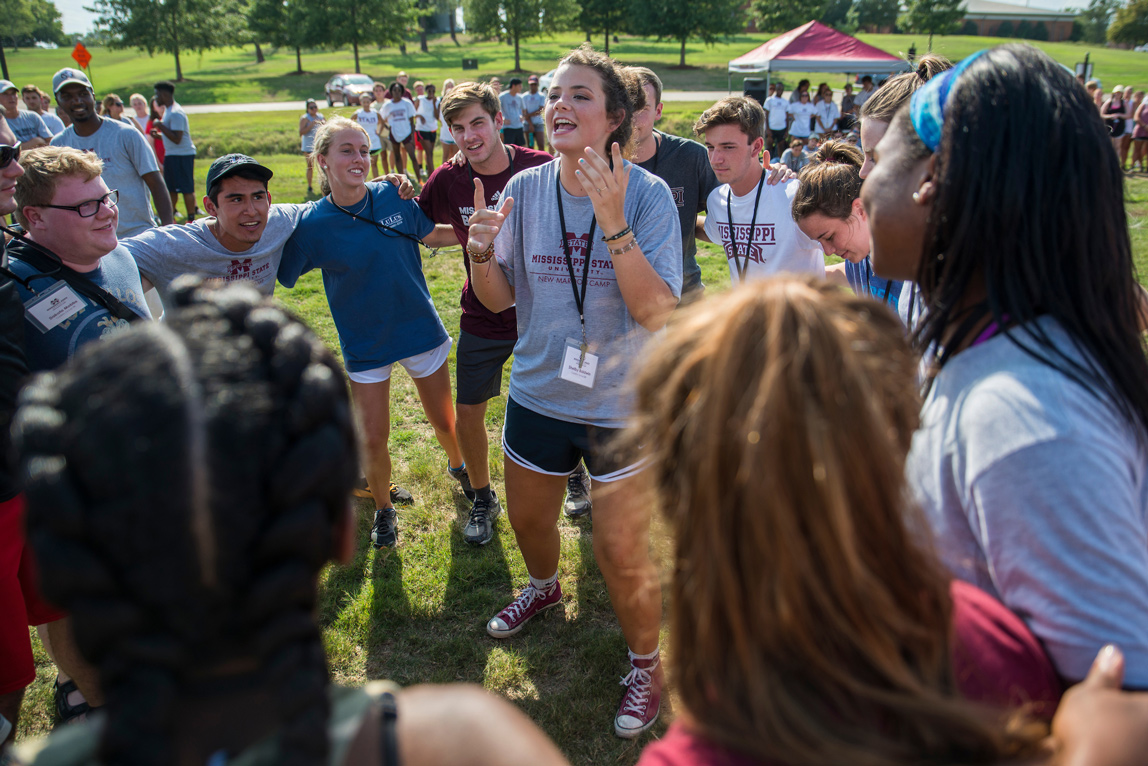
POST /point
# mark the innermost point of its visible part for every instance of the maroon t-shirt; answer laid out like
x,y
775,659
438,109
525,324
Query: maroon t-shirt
x,y
996,661
448,197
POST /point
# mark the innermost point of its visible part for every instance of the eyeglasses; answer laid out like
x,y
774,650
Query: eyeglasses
x,y
8,154
118,103
90,207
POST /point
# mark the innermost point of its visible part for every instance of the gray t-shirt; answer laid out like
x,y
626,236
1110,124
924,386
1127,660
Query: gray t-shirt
x,y
172,251
530,252
531,102
127,158
174,118
29,125
511,110
1037,492
685,167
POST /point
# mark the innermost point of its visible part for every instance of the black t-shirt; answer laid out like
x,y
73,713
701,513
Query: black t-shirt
x,y
685,167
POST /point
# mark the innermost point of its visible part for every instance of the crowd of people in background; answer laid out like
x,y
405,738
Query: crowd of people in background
x,y
906,494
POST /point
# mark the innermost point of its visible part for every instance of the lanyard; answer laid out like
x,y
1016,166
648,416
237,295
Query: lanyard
x,y
579,298
740,268
382,228
509,158
869,282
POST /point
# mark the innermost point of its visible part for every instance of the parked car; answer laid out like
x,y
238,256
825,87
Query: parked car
x,y
347,88
544,81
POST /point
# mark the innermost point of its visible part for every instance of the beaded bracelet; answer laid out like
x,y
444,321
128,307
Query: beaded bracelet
x,y
619,235
481,257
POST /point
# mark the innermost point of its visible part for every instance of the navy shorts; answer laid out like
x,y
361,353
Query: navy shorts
x,y
514,136
547,445
478,367
179,173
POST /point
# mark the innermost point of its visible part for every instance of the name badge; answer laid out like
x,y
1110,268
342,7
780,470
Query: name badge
x,y
578,365
53,306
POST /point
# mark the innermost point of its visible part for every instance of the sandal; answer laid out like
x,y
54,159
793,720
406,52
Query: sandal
x,y
66,712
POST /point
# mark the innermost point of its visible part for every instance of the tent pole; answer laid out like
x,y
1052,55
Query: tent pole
x,y
728,84
768,82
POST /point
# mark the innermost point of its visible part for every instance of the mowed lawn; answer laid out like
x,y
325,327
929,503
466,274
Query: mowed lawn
x,y
417,613
232,75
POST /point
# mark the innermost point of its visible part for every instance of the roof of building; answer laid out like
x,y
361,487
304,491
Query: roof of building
x,y
1007,10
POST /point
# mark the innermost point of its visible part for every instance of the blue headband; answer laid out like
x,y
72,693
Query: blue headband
x,y
927,105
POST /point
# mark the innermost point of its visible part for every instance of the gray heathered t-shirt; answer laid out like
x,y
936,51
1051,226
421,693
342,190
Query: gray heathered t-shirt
x,y
29,125
685,167
530,252
511,110
1037,492
172,251
127,158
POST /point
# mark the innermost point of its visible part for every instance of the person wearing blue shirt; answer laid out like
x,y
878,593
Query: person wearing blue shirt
x,y
365,239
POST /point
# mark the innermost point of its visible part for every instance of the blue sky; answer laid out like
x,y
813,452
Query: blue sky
x,y
76,19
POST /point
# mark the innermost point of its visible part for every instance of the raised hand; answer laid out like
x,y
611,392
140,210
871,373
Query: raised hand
x,y
485,224
606,187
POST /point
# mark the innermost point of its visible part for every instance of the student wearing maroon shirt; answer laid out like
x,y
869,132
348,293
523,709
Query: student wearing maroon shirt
x,y
826,630
486,339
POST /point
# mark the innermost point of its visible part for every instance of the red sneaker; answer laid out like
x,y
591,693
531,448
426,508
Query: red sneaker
x,y
530,602
643,698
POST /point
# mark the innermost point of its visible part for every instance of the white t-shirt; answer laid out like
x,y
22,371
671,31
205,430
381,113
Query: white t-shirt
x,y
369,119
862,96
827,115
424,108
801,114
778,109
778,246
398,116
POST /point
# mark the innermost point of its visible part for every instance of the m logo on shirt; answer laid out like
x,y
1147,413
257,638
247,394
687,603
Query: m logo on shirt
x,y
552,268
764,235
239,269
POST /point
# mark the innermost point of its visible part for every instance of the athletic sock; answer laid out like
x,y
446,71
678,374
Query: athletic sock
x,y
452,469
544,585
484,493
651,656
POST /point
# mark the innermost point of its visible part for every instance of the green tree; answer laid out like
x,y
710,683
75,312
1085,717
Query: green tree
x,y
47,23
18,21
1093,21
284,24
1024,30
170,26
518,20
783,15
1005,29
607,17
1131,24
874,14
935,17
1039,31
341,22
705,20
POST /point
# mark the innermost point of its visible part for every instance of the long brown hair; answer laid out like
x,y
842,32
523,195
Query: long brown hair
x,y
810,620
887,99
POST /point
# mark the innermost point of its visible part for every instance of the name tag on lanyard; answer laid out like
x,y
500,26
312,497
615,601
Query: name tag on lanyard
x,y
53,306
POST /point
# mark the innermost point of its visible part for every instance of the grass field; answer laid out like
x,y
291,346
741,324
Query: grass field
x,y
416,614
231,74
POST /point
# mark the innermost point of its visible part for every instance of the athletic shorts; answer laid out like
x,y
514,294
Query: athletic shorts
x,y
409,142
417,366
375,152
547,445
179,173
514,136
21,604
478,367
427,137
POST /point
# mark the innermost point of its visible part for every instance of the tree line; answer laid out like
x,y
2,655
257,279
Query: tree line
x,y
177,26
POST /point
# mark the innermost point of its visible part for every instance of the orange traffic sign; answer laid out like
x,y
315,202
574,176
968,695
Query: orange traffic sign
x,y
81,55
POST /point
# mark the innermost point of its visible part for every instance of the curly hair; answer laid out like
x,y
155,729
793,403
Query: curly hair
x,y
184,481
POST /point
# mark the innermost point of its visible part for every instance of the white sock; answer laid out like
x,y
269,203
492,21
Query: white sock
x,y
651,656
544,585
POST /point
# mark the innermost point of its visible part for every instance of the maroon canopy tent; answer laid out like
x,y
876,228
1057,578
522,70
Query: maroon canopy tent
x,y
814,47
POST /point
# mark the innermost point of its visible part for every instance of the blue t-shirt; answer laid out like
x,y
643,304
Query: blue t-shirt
x,y
116,273
373,277
865,282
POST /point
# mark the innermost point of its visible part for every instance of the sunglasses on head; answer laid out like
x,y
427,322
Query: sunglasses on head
x,y
8,154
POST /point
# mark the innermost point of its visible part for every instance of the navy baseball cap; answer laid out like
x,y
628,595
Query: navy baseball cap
x,y
229,164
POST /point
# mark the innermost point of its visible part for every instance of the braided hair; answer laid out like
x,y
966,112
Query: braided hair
x,y
184,481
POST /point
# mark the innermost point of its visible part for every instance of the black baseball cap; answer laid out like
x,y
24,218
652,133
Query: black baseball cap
x,y
230,164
